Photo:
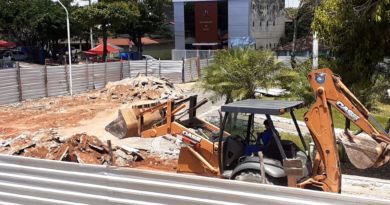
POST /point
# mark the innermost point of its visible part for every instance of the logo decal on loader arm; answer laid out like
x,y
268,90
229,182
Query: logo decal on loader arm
x,y
348,111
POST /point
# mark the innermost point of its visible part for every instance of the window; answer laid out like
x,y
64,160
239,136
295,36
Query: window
x,y
267,23
274,23
260,24
253,23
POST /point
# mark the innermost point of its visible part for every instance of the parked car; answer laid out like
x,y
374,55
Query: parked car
x,y
15,55
148,57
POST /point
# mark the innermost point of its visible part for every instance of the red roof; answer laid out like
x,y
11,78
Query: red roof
x,y
99,49
117,41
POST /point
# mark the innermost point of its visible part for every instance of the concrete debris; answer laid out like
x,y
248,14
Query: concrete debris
x,y
164,145
80,148
141,88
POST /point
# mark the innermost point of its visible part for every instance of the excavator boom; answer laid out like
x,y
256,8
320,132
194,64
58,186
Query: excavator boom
x,y
364,151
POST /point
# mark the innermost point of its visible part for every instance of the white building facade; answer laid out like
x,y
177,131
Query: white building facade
x,y
238,22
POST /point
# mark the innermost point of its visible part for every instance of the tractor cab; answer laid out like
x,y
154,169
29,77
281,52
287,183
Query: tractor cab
x,y
252,131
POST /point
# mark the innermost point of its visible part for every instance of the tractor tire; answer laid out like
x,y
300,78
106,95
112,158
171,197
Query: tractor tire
x,y
252,176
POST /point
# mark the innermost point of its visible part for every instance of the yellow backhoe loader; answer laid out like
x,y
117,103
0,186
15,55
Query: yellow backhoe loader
x,y
210,150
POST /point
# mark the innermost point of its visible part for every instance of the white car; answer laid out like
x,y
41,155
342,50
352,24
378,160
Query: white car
x,y
14,55
148,57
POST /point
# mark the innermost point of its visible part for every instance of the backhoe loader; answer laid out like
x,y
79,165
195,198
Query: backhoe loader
x,y
212,151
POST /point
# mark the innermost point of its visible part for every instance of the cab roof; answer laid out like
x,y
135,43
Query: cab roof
x,y
255,106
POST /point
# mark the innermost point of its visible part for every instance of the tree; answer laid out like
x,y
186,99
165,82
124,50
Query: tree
x,y
357,32
151,19
33,23
301,18
236,73
107,16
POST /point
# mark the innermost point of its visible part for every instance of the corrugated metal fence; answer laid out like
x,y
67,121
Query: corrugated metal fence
x,y
36,181
19,84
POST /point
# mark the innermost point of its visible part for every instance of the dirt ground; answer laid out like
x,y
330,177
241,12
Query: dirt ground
x,y
52,112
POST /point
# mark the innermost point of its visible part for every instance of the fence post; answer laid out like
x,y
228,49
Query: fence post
x,y
159,68
207,61
87,75
93,77
191,77
182,71
129,69
46,82
19,80
105,73
198,68
67,78
121,75
146,67
387,129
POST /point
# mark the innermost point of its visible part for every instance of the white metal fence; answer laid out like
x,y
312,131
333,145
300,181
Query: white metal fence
x,y
36,181
185,54
19,84
7,64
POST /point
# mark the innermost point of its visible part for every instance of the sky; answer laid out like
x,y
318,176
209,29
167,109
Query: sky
x,y
289,3
86,2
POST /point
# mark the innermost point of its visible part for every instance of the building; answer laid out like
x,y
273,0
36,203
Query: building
x,y
214,24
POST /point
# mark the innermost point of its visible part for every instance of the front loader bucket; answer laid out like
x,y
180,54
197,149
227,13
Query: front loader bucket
x,y
363,152
126,125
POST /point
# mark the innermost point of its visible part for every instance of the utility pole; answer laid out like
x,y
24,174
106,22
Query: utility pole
x,y
69,46
315,44
90,31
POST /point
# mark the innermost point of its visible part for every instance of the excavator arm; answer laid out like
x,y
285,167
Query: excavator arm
x,y
371,150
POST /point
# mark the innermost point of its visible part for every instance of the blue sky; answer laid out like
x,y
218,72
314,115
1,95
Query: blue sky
x,y
289,3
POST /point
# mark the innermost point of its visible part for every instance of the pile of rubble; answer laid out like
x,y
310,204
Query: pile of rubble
x,y
80,148
142,88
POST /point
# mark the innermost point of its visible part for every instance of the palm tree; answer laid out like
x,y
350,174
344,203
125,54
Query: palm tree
x,y
236,73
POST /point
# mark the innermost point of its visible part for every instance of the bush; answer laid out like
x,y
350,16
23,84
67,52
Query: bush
x,y
296,82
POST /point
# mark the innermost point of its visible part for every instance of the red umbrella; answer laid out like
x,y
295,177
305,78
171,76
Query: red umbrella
x,y
6,44
90,53
99,49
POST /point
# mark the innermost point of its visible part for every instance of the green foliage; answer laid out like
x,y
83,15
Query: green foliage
x,y
151,19
296,82
303,15
236,73
107,16
33,22
357,33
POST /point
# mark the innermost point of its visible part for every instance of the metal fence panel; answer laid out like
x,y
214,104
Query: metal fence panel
x,y
137,67
47,81
55,182
8,86
57,81
33,83
186,54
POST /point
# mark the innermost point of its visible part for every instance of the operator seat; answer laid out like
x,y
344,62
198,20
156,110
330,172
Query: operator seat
x,y
234,149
